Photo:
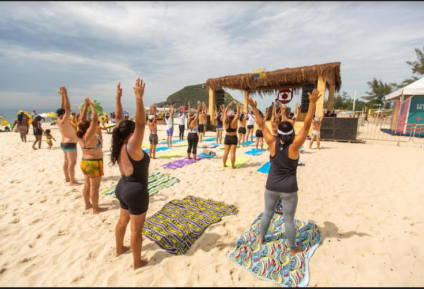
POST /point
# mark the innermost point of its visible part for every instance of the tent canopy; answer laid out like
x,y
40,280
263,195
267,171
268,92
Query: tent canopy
x,y
415,88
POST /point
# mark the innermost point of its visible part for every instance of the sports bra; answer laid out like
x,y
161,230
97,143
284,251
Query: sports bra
x,y
230,129
95,147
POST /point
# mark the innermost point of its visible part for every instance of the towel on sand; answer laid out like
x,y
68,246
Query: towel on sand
x,y
239,162
173,154
181,163
265,168
158,149
255,152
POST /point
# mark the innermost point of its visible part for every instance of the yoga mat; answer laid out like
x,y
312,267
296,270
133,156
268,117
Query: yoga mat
x,y
158,149
255,152
206,156
271,261
265,168
223,149
209,139
181,222
173,141
209,146
246,143
239,162
157,181
173,154
181,144
181,163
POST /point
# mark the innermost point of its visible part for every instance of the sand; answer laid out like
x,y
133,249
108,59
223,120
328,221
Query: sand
x,y
365,198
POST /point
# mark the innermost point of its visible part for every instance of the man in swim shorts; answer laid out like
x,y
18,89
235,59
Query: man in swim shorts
x,y
153,138
69,138
316,127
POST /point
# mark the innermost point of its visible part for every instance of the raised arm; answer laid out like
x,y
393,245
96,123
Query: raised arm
x,y
83,114
65,102
269,138
91,132
303,133
199,105
237,116
136,140
119,115
273,113
154,114
283,112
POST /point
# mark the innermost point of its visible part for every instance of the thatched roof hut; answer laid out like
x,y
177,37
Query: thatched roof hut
x,y
281,78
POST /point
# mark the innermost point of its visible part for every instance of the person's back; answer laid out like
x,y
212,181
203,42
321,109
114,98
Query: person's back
x,y
282,175
153,127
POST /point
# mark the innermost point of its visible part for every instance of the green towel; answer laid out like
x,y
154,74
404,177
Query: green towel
x,y
173,154
157,182
223,149
239,162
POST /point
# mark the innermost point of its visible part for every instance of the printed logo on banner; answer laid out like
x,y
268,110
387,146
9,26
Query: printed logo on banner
x,y
259,73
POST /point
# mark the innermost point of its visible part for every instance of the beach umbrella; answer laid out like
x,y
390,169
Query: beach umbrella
x,y
126,112
1,115
102,118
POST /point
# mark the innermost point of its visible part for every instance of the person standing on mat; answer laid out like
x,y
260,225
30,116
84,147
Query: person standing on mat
x,y
181,118
242,129
250,125
259,133
132,190
153,138
231,142
282,179
193,138
316,127
169,125
218,118
69,140
202,122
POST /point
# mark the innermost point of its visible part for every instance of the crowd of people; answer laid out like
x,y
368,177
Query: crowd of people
x,y
133,162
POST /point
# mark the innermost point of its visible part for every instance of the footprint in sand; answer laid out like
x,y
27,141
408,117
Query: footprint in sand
x,y
3,270
15,221
63,232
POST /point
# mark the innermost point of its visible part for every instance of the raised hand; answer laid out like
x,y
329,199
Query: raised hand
x,y
139,89
252,103
118,90
313,98
63,91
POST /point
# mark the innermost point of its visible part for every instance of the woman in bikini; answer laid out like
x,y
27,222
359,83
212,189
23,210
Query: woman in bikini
x,y
242,128
92,158
231,142
38,131
218,118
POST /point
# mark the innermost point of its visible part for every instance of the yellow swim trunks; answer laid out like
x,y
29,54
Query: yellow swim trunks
x,y
93,168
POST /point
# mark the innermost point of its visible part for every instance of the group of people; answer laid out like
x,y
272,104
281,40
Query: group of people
x,y
133,162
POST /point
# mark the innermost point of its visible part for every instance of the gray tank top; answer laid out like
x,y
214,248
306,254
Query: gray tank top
x,y
194,129
282,175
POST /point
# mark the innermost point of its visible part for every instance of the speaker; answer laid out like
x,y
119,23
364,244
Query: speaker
x,y
339,128
326,133
328,123
306,87
219,97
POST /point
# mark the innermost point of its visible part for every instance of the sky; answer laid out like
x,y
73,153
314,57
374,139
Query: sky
x,y
90,46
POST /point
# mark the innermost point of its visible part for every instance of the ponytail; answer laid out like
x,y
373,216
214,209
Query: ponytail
x,y
119,135
82,128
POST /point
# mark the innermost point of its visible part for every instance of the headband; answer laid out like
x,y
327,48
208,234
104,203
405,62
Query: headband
x,y
284,133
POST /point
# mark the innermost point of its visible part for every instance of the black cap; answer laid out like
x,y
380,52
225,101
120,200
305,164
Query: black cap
x,y
60,111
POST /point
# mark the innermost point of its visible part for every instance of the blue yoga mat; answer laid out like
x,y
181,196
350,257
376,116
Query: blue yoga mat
x,y
206,156
254,152
209,139
158,149
173,141
246,143
265,168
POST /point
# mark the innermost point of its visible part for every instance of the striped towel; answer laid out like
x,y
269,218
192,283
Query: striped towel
x,y
157,182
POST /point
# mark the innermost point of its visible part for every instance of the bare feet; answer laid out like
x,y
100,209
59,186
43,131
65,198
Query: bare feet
x,y
141,263
258,237
67,181
121,251
234,167
99,210
88,207
34,148
73,184
297,250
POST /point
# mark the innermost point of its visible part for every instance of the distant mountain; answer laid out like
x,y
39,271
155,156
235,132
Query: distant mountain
x,y
192,93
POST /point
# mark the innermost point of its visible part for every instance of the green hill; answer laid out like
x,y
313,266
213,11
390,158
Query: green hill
x,y
192,93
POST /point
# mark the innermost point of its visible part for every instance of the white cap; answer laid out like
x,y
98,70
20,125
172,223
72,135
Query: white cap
x,y
151,117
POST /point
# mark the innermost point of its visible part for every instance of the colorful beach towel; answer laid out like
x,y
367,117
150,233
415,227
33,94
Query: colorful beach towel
x,y
173,154
173,141
255,152
158,149
157,182
239,162
181,222
272,261
265,168
181,163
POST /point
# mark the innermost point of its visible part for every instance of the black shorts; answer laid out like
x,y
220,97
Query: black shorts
x,y
250,126
132,197
259,133
231,140
38,131
153,139
242,130
200,128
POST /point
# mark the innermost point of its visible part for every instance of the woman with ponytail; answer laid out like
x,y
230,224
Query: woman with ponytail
x,y
92,158
282,181
231,141
132,190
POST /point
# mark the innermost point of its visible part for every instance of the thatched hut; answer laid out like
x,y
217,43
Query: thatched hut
x,y
324,75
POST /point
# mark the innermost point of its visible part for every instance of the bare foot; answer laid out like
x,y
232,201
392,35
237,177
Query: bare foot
x,y
100,210
297,250
121,251
140,264
73,184
88,207
67,181
234,167
34,148
258,237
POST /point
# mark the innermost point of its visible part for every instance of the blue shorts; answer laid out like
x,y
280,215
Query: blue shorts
x,y
170,131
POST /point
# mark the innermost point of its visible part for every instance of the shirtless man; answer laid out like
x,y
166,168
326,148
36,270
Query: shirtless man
x,y
292,117
69,138
153,131
316,127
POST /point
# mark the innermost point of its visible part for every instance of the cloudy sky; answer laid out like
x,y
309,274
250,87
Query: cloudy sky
x,y
89,46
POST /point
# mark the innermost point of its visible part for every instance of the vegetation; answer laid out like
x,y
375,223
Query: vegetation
x,y
97,105
417,68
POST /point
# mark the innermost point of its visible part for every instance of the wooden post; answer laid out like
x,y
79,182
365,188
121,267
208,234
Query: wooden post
x,y
319,109
246,95
212,103
331,98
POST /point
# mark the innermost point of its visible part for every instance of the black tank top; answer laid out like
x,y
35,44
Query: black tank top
x,y
229,129
140,170
219,121
282,175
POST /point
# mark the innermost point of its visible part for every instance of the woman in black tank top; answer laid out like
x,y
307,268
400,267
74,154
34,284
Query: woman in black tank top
x,y
132,190
231,141
282,181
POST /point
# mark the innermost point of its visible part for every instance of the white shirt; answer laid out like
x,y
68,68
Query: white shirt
x,y
251,120
182,121
168,123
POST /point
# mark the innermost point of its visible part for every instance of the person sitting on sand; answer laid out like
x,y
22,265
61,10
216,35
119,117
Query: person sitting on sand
x,y
218,118
38,131
153,138
242,128
132,189
316,127
169,115
49,138
193,138
69,140
231,141
282,180
92,157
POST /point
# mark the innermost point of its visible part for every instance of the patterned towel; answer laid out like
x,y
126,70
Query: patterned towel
x,y
181,222
157,182
272,261
181,163
265,168
255,152
239,162
158,149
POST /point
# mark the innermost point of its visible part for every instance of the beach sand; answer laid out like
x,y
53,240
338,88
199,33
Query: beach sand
x,y
365,198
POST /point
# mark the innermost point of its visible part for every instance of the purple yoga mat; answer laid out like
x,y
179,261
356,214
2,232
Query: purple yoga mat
x,y
181,163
